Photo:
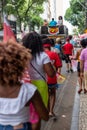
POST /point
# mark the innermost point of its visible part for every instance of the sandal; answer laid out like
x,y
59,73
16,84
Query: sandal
x,y
51,114
85,91
79,91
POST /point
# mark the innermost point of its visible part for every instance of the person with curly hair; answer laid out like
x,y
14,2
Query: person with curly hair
x,y
39,66
14,96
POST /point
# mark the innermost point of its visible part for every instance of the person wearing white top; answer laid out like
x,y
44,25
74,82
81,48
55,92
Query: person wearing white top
x,y
39,66
14,96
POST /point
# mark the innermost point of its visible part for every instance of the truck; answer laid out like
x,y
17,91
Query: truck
x,y
56,32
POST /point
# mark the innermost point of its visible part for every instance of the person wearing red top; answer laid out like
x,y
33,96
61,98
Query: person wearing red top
x,y
52,81
67,49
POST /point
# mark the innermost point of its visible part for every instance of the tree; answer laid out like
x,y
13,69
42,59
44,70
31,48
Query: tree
x,y
23,9
75,14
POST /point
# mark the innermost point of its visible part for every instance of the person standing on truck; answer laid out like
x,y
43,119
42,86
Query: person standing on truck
x,y
44,28
52,22
60,20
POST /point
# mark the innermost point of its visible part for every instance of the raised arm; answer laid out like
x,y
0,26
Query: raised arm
x,y
50,71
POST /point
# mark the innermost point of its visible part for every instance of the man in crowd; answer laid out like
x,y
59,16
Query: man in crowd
x,y
68,50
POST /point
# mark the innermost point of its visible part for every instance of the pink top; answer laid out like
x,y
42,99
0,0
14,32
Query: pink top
x,y
83,57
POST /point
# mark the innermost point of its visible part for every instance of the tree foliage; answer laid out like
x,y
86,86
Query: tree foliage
x,y
76,14
26,11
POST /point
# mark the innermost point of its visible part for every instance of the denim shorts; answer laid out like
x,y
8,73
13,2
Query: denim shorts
x,y
26,126
50,86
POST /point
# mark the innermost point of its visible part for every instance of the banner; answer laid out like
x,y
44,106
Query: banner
x,y
8,33
60,78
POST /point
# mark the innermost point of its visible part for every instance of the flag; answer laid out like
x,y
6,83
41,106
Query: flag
x,y
60,78
8,32
82,36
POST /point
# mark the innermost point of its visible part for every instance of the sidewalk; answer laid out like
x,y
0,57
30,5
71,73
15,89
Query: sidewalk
x,y
64,106
83,112
79,116
76,110
70,107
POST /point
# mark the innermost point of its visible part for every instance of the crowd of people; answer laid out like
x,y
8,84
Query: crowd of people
x,y
28,79
52,24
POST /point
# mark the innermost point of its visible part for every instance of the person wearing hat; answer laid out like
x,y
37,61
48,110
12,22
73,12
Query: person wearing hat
x,y
51,81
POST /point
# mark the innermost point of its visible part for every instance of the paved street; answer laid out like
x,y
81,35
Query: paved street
x,y
70,107
65,98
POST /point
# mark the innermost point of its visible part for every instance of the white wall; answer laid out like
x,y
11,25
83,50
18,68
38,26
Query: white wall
x,y
61,6
57,8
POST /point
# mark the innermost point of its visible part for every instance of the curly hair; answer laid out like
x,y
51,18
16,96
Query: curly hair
x,y
33,41
14,59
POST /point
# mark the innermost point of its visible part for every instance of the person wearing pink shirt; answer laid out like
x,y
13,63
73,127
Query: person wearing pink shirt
x,y
83,64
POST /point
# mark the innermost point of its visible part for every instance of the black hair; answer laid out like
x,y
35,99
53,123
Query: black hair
x,y
45,20
43,36
52,42
60,17
70,37
83,43
46,41
33,41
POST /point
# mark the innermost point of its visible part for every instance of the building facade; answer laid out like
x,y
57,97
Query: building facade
x,y
53,9
56,8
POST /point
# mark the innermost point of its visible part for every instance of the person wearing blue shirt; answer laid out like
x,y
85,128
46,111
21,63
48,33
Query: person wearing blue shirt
x,y
53,22
71,40
58,44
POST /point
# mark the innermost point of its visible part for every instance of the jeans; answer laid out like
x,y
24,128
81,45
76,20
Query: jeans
x,y
26,126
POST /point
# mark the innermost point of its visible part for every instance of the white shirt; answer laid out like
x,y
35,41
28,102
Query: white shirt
x,y
13,110
38,64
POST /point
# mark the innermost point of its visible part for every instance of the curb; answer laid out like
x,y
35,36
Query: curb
x,y
75,114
